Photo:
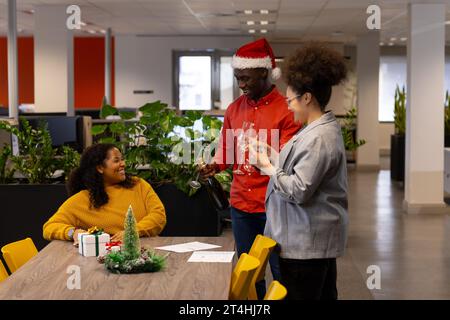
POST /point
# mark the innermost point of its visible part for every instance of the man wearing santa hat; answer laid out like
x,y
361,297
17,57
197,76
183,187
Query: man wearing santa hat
x,y
266,110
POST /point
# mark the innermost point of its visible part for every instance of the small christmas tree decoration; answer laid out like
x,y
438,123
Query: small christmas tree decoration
x,y
131,242
132,258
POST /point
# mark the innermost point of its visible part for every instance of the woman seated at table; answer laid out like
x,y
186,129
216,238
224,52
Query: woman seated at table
x,y
101,193
306,199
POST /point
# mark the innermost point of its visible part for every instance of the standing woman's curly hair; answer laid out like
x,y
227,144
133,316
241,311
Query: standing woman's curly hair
x,y
315,68
86,176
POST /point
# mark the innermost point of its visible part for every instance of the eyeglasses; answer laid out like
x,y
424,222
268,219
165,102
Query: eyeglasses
x,y
289,100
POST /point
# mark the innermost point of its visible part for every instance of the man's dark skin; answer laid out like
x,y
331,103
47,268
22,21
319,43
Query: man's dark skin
x,y
255,84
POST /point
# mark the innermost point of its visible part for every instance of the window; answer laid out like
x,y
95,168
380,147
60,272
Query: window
x,y
392,73
203,80
195,83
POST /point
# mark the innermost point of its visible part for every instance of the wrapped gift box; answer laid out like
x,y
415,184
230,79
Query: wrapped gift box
x,y
113,246
92,245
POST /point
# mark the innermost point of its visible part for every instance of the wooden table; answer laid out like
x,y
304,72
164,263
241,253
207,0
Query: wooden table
x,y
45,276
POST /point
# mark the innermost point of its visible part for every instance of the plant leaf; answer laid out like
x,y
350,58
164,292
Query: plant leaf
x,y
127,115
193,115
98,129
117,127
152,107
107,110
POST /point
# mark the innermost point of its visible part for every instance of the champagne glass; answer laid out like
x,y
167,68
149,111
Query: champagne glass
x,y
195,184
250,134
242,148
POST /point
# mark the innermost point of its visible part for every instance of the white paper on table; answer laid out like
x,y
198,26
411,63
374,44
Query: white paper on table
x,y
212,256
188,247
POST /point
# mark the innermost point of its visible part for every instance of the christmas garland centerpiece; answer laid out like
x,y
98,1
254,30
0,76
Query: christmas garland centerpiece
x,y
132,258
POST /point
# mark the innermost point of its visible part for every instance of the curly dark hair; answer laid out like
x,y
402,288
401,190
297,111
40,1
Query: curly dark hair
x,y
315,68
86,176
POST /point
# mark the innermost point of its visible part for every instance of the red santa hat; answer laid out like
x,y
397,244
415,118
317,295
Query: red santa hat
x,y
257,54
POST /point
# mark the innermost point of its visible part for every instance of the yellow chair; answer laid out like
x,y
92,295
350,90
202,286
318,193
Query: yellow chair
x,y
19,252
3,273
242,277
261,249
276,291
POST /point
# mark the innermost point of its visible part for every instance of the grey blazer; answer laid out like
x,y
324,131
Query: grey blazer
x,y
306,199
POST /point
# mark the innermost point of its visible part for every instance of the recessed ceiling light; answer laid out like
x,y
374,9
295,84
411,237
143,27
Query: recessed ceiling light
x,y
263,31
447,22
251,31
92,31
337,33
250,23
393,39
215,15
264,22
391,44
103,31
263,11
248,11
20,30
381,43
403,39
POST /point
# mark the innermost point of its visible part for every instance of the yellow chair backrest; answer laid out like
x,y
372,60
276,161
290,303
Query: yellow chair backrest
x,y
3,273
242,276
19,252
276,291
261,249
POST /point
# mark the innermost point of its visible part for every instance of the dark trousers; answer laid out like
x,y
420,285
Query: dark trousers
x,y
246,226
313,279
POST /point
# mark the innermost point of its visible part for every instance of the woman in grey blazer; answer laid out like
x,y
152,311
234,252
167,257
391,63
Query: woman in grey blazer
x,y
306,199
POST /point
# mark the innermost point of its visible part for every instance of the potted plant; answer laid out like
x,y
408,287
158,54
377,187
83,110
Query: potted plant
x,y
163,148
398,138
348,130
447,120
32,186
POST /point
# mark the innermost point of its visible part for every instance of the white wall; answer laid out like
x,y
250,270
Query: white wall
x,y
385,130
367,70
145,63
340,99
53,60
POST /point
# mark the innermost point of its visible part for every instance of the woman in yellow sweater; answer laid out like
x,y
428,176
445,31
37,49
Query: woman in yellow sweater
x,y
101,192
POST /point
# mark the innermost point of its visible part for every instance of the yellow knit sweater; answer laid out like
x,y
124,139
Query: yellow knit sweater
x,y
76,212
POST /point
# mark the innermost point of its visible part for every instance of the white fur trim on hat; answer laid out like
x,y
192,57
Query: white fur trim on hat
x,y
251,63
276,73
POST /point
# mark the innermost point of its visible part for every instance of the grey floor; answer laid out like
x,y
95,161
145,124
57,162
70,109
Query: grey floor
x,y
411,251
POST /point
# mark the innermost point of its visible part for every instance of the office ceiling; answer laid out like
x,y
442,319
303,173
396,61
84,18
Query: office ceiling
x,y
288,20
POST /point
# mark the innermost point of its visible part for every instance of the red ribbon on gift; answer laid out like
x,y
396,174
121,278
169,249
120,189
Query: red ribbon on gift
x,y
111,244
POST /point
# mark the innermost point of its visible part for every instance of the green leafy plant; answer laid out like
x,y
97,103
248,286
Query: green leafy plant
x,y
6,171
68,160
348,129
447,114
400,110
37,160
225,178
151,144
